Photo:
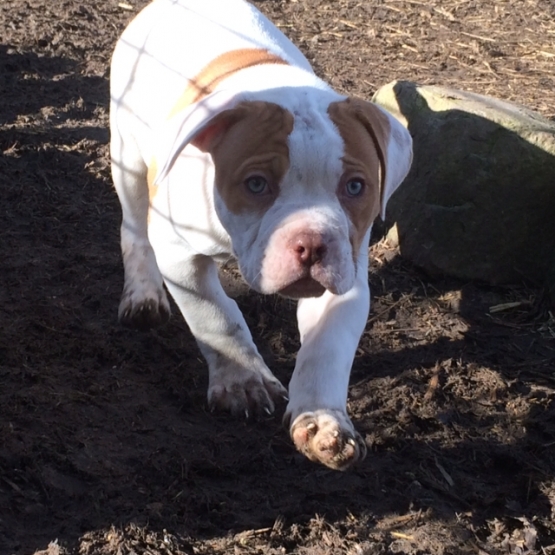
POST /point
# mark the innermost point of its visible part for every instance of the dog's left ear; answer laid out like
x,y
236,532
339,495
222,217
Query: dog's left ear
x,y
393,143
200,124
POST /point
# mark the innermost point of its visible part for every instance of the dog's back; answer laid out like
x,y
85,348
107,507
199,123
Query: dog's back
x,y
173,41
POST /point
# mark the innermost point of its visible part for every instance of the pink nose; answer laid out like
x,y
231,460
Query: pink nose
x,y
309,248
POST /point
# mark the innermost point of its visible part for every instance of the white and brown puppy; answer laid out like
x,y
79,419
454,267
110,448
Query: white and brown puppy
x,y
224,142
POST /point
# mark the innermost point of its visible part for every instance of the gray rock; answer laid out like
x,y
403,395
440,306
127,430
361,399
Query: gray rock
x,y
479,201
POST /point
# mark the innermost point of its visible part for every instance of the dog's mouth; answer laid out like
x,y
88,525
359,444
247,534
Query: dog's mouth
x,y
302,288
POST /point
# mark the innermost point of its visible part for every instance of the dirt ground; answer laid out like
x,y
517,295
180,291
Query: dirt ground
x,y
106,443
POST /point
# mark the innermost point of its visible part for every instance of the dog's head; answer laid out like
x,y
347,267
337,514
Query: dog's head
x,y
298,189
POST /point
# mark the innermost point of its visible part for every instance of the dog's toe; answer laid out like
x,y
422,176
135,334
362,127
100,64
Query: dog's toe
x,y
328,437
143,313
252,397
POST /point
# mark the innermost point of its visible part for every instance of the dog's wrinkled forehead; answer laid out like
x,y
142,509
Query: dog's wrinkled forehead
x,y
315,151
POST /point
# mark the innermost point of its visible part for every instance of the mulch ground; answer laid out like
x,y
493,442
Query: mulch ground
x,y
106,443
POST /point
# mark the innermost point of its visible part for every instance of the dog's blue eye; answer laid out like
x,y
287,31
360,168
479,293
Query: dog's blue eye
x,y
354,187
256,184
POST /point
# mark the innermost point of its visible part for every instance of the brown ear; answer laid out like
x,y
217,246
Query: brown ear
x,y
377,125
207,122
268,118
209,136
392,141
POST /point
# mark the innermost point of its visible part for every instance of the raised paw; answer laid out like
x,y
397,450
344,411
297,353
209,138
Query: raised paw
x,y
143,310
328,437
244,392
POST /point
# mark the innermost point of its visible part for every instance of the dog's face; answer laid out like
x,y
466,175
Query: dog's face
x,y
298,191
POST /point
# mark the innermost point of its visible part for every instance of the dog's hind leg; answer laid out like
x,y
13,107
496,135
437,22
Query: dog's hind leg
x,y
144,303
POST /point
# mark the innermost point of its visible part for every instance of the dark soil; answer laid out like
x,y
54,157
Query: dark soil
x,y
106,443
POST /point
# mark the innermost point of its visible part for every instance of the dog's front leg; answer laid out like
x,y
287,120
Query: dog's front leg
x,y
330,328
239,380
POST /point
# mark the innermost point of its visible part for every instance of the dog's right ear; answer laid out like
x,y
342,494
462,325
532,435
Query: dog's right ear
x,y
394,144
209,135
391,139
200,124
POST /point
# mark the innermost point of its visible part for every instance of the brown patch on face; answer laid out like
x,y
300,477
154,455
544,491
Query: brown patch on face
x,y
203,84
249,140
365,130
219,69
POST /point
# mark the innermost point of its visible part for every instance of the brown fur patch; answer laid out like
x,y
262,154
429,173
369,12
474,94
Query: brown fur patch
x,y
251,140
203,84
365,131
219,69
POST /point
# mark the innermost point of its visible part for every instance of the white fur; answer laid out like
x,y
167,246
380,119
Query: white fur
x,y
189,226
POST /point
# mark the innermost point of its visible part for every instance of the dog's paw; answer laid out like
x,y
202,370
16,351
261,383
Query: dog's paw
x,y
327,437
143,309
245,392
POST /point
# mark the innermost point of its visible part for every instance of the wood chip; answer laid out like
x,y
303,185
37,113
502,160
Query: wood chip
x,y
445,475
402,536
505,306
486,39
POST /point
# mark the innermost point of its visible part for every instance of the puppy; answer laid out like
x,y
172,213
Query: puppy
x,y
224,142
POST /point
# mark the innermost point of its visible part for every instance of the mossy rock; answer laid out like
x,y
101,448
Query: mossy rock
x,y
479,201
